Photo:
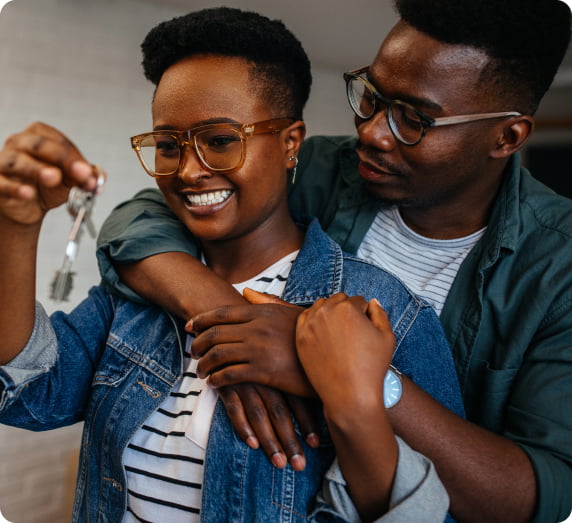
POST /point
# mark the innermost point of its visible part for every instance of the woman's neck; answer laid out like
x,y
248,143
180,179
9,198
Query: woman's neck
x,y
239,259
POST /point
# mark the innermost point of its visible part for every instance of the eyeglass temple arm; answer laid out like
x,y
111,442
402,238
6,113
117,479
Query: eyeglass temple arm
x,y
271,127
449,120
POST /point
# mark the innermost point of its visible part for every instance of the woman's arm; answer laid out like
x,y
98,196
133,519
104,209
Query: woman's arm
x,y
347,373
37,167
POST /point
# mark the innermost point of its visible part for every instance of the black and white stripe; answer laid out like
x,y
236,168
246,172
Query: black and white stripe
x,y
427,266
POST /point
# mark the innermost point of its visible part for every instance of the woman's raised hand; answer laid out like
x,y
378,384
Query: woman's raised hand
x,y
38,166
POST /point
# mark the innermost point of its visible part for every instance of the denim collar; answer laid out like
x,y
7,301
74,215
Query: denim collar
x,y
317,271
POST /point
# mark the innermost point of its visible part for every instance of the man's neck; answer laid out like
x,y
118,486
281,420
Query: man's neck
x,y
441,225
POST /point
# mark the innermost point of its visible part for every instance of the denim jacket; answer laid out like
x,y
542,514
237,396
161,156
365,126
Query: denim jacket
x,y
101,370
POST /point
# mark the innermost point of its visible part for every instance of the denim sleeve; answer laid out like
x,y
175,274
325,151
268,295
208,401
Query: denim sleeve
x,y
417,495
35,359
136,229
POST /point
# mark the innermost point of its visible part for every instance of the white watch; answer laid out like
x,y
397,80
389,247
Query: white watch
x,y
392,387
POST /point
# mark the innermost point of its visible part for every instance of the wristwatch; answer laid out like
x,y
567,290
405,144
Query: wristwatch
x,y
392,387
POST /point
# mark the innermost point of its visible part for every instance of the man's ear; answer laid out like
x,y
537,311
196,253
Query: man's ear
x,y
513,136
294,136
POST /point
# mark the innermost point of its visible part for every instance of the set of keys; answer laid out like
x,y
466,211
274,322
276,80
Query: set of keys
x,y
79,205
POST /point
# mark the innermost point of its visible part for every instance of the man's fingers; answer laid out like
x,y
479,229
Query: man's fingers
x,y
305,412
279,411
260,421
221,315
237,416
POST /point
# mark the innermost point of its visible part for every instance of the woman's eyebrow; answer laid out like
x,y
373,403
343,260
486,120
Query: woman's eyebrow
x,y
197,124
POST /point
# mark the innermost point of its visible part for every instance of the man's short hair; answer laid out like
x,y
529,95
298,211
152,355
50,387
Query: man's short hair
x,y
526,40
279,64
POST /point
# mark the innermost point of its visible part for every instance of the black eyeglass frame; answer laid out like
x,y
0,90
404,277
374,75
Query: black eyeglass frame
x,y
425,121
188,138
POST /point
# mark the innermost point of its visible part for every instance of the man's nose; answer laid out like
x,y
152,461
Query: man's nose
x,y
376,132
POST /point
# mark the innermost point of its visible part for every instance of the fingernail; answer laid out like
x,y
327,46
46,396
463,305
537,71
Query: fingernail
x,y
313,440
252,442
278,459
189,325
90,184
298,462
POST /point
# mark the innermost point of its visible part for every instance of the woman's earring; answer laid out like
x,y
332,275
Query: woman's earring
x,y
293,170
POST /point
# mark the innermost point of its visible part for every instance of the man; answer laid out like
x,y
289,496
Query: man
x,y
436,193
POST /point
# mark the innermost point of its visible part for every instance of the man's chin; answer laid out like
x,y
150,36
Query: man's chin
x,y
387,198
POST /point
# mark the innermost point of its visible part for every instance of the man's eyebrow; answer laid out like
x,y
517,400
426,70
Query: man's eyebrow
x,y
416,101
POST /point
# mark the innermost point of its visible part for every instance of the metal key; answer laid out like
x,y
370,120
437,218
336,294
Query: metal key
x,y
80,205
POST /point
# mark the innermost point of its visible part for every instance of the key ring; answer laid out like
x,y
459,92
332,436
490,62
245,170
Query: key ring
x,y
79,198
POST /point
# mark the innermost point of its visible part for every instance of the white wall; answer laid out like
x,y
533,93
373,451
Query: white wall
x,y
75,64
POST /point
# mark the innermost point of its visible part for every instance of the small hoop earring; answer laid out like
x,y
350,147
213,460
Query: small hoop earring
x,y
293,170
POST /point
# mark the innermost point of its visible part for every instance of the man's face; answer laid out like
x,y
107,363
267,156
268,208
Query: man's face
x,y
450,172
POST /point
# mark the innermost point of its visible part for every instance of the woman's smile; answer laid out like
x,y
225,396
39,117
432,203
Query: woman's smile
x,y
207,202
208,198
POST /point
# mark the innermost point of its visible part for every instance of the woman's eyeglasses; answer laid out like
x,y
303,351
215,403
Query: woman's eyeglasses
x,y
220,147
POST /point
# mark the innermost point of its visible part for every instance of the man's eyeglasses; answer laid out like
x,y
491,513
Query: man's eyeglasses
x,y
408,125
220,147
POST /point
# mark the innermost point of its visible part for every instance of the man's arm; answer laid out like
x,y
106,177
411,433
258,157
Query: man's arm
x,y
488,477
179,283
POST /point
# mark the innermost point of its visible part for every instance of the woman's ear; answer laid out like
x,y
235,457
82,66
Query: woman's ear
x,y
513,136
293,138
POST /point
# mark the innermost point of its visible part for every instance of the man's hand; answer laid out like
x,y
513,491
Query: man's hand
x,y
261,417
250,344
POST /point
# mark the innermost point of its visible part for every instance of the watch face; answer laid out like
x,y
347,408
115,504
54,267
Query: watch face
x,y
392,389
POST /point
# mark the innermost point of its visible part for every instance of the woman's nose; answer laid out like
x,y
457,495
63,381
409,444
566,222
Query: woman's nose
x,y
192,170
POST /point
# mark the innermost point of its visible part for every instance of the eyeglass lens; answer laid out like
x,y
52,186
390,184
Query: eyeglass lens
x,y
220,149
403,119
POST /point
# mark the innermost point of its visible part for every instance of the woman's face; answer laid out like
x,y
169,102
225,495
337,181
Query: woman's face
x,y
209,89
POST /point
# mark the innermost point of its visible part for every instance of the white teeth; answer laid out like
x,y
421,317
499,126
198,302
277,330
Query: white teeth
x,y
208,198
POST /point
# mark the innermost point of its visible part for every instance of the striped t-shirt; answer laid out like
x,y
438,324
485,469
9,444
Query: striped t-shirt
x,y
164,459
427,266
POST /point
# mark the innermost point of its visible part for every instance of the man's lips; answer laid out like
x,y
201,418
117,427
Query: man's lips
x,y
371,173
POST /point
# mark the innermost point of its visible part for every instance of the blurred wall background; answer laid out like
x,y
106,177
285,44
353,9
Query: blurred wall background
x,y
75,64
